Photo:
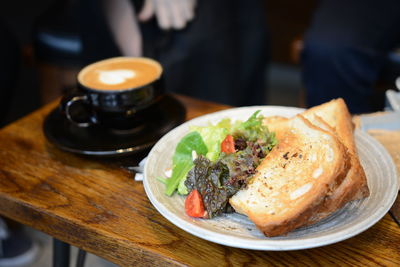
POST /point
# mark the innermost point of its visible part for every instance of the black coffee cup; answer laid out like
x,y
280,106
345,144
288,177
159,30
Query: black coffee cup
x,y
114,93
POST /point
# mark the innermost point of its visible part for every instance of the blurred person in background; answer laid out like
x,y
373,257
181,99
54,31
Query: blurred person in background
x,y
16,247
9,69
212,50
346,48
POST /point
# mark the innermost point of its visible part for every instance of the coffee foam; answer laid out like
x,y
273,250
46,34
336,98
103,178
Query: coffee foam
x,y
115,76
120,73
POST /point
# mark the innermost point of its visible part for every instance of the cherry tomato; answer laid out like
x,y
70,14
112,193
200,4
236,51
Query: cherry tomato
x,y
228,145
194,206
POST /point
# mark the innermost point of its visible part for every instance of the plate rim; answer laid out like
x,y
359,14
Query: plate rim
x,y
272,244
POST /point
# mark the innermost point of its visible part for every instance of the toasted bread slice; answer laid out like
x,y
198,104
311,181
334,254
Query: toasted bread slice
x,y
292,182
345,192
337,116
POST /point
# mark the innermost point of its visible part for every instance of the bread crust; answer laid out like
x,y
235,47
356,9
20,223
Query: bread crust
x,y
298,211
347,182
354,186
336,114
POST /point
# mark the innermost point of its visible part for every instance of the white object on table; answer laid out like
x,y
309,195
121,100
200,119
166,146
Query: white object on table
x,y
393,99
139,170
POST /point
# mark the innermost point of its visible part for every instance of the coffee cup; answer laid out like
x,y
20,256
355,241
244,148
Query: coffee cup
x,y
114,93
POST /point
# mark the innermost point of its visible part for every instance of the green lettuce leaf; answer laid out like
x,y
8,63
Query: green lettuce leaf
x,y
182,189
182,160
206,140
213,137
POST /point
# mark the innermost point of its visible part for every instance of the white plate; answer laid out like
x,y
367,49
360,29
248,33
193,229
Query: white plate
x,y
237,231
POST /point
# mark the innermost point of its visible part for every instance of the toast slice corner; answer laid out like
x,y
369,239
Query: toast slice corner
x,y
336,114
334,117
293,181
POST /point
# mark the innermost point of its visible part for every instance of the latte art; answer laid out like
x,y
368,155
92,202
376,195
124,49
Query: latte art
x,y
115,76
121,73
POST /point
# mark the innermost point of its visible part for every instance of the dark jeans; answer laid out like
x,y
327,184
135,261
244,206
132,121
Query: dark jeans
x,y
346,48
220,56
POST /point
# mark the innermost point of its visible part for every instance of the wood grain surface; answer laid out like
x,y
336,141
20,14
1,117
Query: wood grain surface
x,y
390,140
98,207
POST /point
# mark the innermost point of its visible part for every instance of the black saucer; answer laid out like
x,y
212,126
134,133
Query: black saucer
x,y
96,141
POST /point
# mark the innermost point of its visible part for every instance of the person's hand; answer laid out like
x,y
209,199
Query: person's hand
x,y
170,14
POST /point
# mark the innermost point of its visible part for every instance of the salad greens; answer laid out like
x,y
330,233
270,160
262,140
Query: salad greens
x,y
254,130
211,180
182,160
212,137
252,136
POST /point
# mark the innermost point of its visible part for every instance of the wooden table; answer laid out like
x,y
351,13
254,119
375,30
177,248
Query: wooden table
x,y
100,208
